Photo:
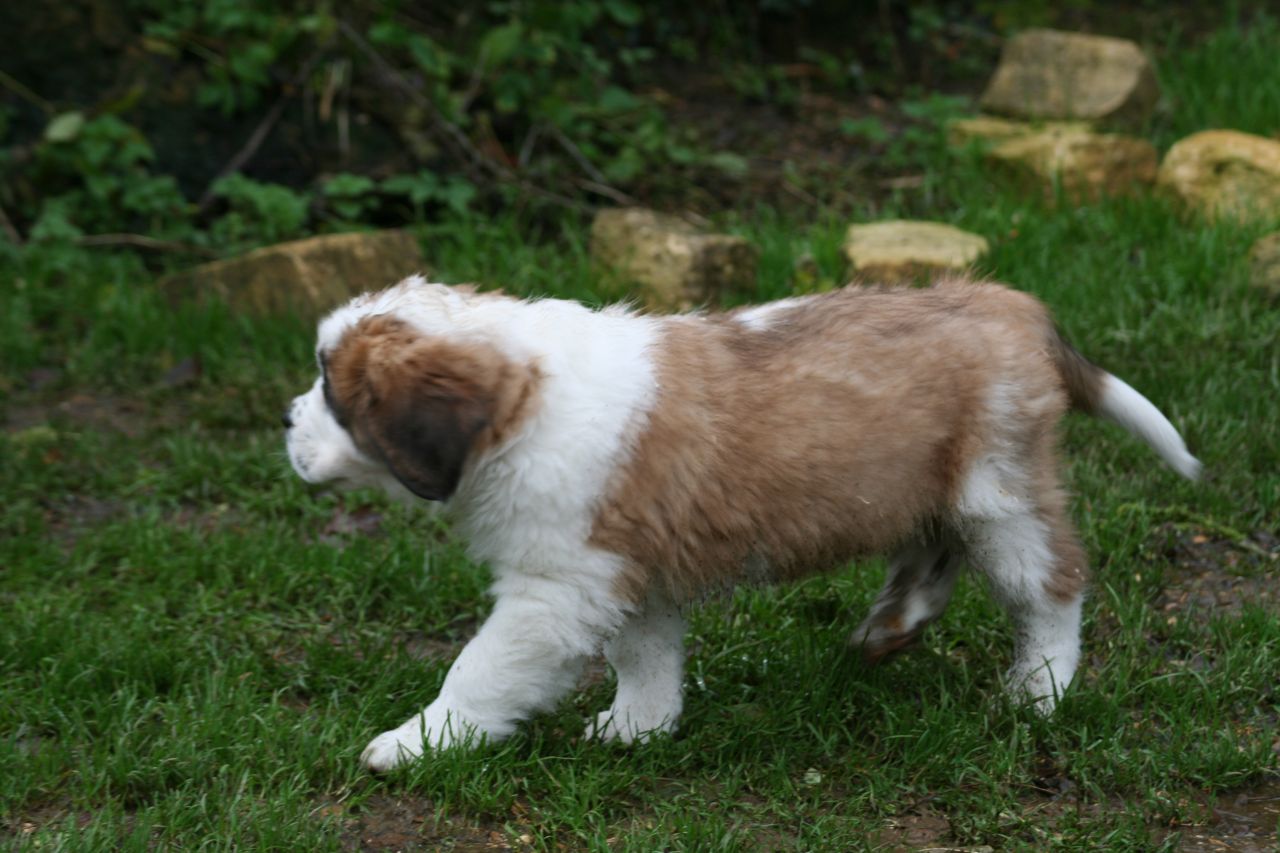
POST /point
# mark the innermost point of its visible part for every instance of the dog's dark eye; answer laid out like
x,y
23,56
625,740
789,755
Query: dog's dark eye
x,y
327,390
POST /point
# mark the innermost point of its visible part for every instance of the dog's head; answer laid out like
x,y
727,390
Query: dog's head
x,y
399,407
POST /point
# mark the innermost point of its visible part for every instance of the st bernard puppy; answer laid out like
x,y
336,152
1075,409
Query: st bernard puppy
x,y
612,466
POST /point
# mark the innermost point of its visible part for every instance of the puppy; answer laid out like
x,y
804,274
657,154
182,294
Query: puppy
x,y
612,466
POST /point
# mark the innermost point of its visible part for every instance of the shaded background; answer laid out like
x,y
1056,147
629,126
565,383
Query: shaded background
x,y
232,123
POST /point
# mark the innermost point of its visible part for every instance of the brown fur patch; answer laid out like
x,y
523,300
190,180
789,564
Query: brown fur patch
x,y
425,406
840,430
1083,379
1070,571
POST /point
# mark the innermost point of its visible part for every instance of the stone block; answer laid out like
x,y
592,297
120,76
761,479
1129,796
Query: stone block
x,y
677,264
307,277
1050,74
902,250
1225,173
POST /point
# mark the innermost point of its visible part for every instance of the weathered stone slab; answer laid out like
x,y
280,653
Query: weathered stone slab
x,y
901,250
1225,173
992,130
1264,265
306,277
1086,165
677,264
1051,74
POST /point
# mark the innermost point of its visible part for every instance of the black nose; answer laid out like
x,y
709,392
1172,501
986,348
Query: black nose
x,y
286,420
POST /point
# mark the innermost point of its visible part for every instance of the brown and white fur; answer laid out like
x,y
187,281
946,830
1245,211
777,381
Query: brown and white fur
x,y
612,466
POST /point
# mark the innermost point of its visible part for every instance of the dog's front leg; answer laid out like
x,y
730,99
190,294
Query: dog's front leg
x,y
527,656
647,655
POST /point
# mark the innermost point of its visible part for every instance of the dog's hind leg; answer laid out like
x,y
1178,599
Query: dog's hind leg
x,y
1036,569
917,589
647,655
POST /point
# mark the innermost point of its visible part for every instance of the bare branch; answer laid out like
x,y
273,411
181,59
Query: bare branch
x,y
526,147
260,133
142,241
26,94
450,132
608,192
6,225
598,183
576,153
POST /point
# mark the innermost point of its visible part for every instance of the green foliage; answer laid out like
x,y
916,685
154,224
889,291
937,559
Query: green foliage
x,y
349,196
482,97
257,211
97,175
1222,80
869,128
922,139
424,186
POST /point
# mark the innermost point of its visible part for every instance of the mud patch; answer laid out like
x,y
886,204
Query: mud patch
x,y
412,823
1213,574
1241,823
133,417
422,646
50,826
922,830
345,524
68,518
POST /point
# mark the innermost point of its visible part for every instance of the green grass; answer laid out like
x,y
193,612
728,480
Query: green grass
x,y
1221,81
192,656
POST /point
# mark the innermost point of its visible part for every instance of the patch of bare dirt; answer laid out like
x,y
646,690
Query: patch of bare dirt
x,y
385,823
1212,574
421,646
127,415
47,825
1242,823
68,517
924,829
346,524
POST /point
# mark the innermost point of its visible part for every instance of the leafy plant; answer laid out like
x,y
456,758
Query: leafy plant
x,y
349,196
258,212
97,176
869,128
425,187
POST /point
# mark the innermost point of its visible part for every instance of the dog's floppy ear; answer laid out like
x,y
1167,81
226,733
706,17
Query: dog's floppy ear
x,y
426,435
421,405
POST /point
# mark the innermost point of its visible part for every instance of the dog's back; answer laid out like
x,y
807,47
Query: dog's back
x,y
835,426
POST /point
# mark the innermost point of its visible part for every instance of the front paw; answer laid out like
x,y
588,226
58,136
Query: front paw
x,y
623,727
394,748
435,728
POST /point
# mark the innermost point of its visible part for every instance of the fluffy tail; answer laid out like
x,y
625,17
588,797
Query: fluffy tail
x,y
1097,392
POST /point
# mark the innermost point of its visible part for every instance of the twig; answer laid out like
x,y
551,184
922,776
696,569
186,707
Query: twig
x,y
526,147
800,193
473,87
549,195
886,24
607,191
576,153
598,183
477,160
142,241
448,129
6,225
260,133
23,92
